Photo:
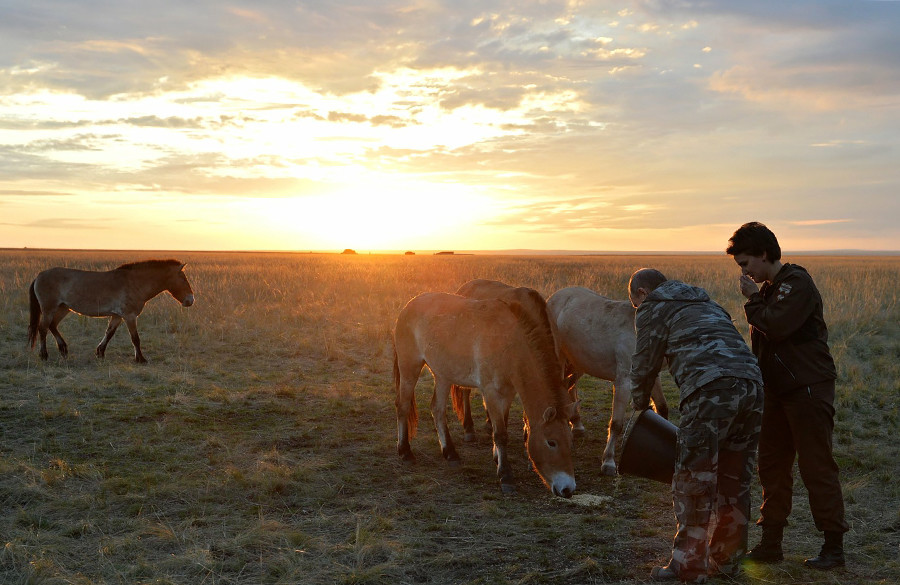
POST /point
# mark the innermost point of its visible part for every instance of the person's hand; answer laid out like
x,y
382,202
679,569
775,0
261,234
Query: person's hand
x,y
748,287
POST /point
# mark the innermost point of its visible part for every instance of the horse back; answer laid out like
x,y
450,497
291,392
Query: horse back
x,y
86,292
463,340
530,301
595,332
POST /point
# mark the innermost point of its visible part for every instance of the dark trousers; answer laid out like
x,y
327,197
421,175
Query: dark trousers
x,y
717,438
799,424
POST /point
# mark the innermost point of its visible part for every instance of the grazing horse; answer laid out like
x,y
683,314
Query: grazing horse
x,y
495,346
119,294
597,337
535,305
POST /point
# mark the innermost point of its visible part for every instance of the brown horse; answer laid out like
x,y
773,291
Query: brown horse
x,y
119,294
535,305
497,347
597,337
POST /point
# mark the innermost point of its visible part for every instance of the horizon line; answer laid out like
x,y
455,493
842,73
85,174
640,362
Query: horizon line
x,y
462,252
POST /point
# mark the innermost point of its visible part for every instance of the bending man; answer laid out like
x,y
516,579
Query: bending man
x,y
720,402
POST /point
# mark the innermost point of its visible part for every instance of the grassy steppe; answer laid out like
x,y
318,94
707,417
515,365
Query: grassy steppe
x,y
259,443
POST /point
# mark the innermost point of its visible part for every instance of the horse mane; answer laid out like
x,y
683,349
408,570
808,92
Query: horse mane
x,y
539,336
149,264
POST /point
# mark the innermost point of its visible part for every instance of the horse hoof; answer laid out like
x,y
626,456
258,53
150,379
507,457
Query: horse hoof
x,y
453,463
608,469
405,452
578,432
469,437
508,488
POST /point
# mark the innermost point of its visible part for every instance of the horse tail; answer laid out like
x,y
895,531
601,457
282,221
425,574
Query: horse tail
x,y
412,416
34,316
459,396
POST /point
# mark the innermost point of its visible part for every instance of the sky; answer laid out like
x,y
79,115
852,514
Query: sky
x,y
656,125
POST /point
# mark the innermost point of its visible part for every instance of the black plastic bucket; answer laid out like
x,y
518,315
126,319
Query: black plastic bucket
x,y
648,449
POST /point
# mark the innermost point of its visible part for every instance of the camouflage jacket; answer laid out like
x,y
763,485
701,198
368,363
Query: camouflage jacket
x,y
695,335
788,331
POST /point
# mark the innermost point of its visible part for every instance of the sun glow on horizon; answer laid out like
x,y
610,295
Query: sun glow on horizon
x,y
380,216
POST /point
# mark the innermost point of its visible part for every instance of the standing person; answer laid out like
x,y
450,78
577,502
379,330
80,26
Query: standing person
x,y
720,389
789,337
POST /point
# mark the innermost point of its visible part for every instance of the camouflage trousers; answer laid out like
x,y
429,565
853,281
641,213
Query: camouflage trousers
x,y
715,457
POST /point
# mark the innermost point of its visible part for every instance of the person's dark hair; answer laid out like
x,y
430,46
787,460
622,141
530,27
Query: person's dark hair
x,y
647,279
754,239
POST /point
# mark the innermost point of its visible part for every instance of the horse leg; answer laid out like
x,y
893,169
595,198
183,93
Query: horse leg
x,y
42,332
439,414
468,425
58,316
499,417
488,426
467,422
621,397
406,375
572,381
131,322
406,410
659,399
43,328
114,323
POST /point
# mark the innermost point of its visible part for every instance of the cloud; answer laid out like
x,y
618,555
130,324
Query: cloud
x,y
61,223
151,121
806,222
30,193
380,120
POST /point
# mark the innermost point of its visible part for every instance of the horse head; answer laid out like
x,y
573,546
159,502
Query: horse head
x,y
179,287
549,445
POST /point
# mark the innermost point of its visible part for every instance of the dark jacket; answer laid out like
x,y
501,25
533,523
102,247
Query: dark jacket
x,y
695,335
788,332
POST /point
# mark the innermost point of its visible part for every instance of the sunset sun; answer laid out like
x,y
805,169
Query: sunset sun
x,y
378,217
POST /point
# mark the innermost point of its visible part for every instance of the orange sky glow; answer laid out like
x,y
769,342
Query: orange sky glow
x,y
560,125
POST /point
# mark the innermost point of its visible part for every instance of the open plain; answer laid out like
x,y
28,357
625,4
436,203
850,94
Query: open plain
x,y
258,445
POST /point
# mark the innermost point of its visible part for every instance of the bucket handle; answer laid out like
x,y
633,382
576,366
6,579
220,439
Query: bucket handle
x,y
634,416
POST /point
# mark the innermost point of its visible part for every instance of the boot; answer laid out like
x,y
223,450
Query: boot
x,y
769,548
667,573
832,553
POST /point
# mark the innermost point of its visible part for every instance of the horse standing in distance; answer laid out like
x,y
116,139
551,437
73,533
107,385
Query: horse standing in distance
x,y
497,347
596,335
119,294
534,304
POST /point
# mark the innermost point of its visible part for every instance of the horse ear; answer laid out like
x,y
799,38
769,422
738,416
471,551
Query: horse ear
x,y
549,414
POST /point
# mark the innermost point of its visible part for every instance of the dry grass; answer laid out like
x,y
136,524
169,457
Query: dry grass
x,y
259,445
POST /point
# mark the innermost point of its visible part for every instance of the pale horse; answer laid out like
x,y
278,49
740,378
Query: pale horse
x,y
596,336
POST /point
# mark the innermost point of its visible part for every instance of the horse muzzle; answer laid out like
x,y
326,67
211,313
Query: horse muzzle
x,y
188,301
563,485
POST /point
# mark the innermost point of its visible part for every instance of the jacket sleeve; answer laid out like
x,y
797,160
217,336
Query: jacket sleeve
x,y
649,351
786,312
